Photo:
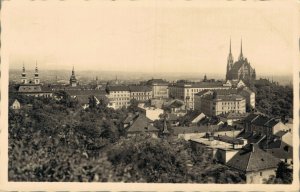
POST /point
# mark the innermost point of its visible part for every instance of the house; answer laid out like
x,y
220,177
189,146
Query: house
x,y
118,96
82,96
249,96
222,148
254,163
140,93
186,91
15,105
187,133
175,106
231,117
193,117
152,113
140,125
263,124
280,146
159,88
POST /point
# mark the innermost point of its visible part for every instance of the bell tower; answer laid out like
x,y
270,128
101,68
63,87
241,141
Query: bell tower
x,y
36,78
73,80
23,77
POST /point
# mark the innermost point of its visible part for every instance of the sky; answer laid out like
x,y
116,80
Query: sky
x,y
148,36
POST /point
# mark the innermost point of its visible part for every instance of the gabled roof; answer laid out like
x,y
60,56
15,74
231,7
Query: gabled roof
x,y
129,118
142,124
282,153
176,104
118,88
264,121
252,158
139,88
251,117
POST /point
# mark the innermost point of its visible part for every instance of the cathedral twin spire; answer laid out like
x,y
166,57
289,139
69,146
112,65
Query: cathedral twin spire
x,y
36,78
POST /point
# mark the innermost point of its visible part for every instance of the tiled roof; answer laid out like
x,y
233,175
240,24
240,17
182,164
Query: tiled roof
x,y
203,92
30,88
118,88
228,139
230,97
252,158
251,137
139,88
251,117
226,91
85,92
264,121
176,104
194,129
282,153
232,115
157,81
142,124
129,118
207,84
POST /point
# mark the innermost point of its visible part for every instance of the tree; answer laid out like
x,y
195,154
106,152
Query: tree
x,y
284,173
133,107
92,102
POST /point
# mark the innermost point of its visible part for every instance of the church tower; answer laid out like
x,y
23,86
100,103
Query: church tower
x,y
36,78
73,80
241,57
229,62
23,77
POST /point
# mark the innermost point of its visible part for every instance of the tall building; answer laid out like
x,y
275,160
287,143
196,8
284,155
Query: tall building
x,y
216,102
185,91
36,78
73,80
23,76
241,69
159,88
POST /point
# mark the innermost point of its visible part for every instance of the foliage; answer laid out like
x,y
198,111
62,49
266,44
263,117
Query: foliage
x,y
284,175
274,99
55,141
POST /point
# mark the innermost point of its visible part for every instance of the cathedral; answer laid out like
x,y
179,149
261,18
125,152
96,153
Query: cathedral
x,y
36,79
241,69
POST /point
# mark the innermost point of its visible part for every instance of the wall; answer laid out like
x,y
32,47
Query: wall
x,y
256,178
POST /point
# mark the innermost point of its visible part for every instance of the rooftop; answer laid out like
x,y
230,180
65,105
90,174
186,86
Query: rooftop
x,y
252,158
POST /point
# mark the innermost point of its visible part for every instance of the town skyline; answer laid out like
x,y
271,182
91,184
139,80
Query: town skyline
x,y
195,40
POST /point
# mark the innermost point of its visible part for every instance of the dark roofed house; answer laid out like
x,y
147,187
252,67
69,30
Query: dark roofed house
x,y
254,163
142,125
36,90
263,124
280,146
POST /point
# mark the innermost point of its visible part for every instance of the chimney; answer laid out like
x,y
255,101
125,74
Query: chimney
x,y
252,147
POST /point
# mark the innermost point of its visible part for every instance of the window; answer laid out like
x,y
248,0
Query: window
x,y
260,173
